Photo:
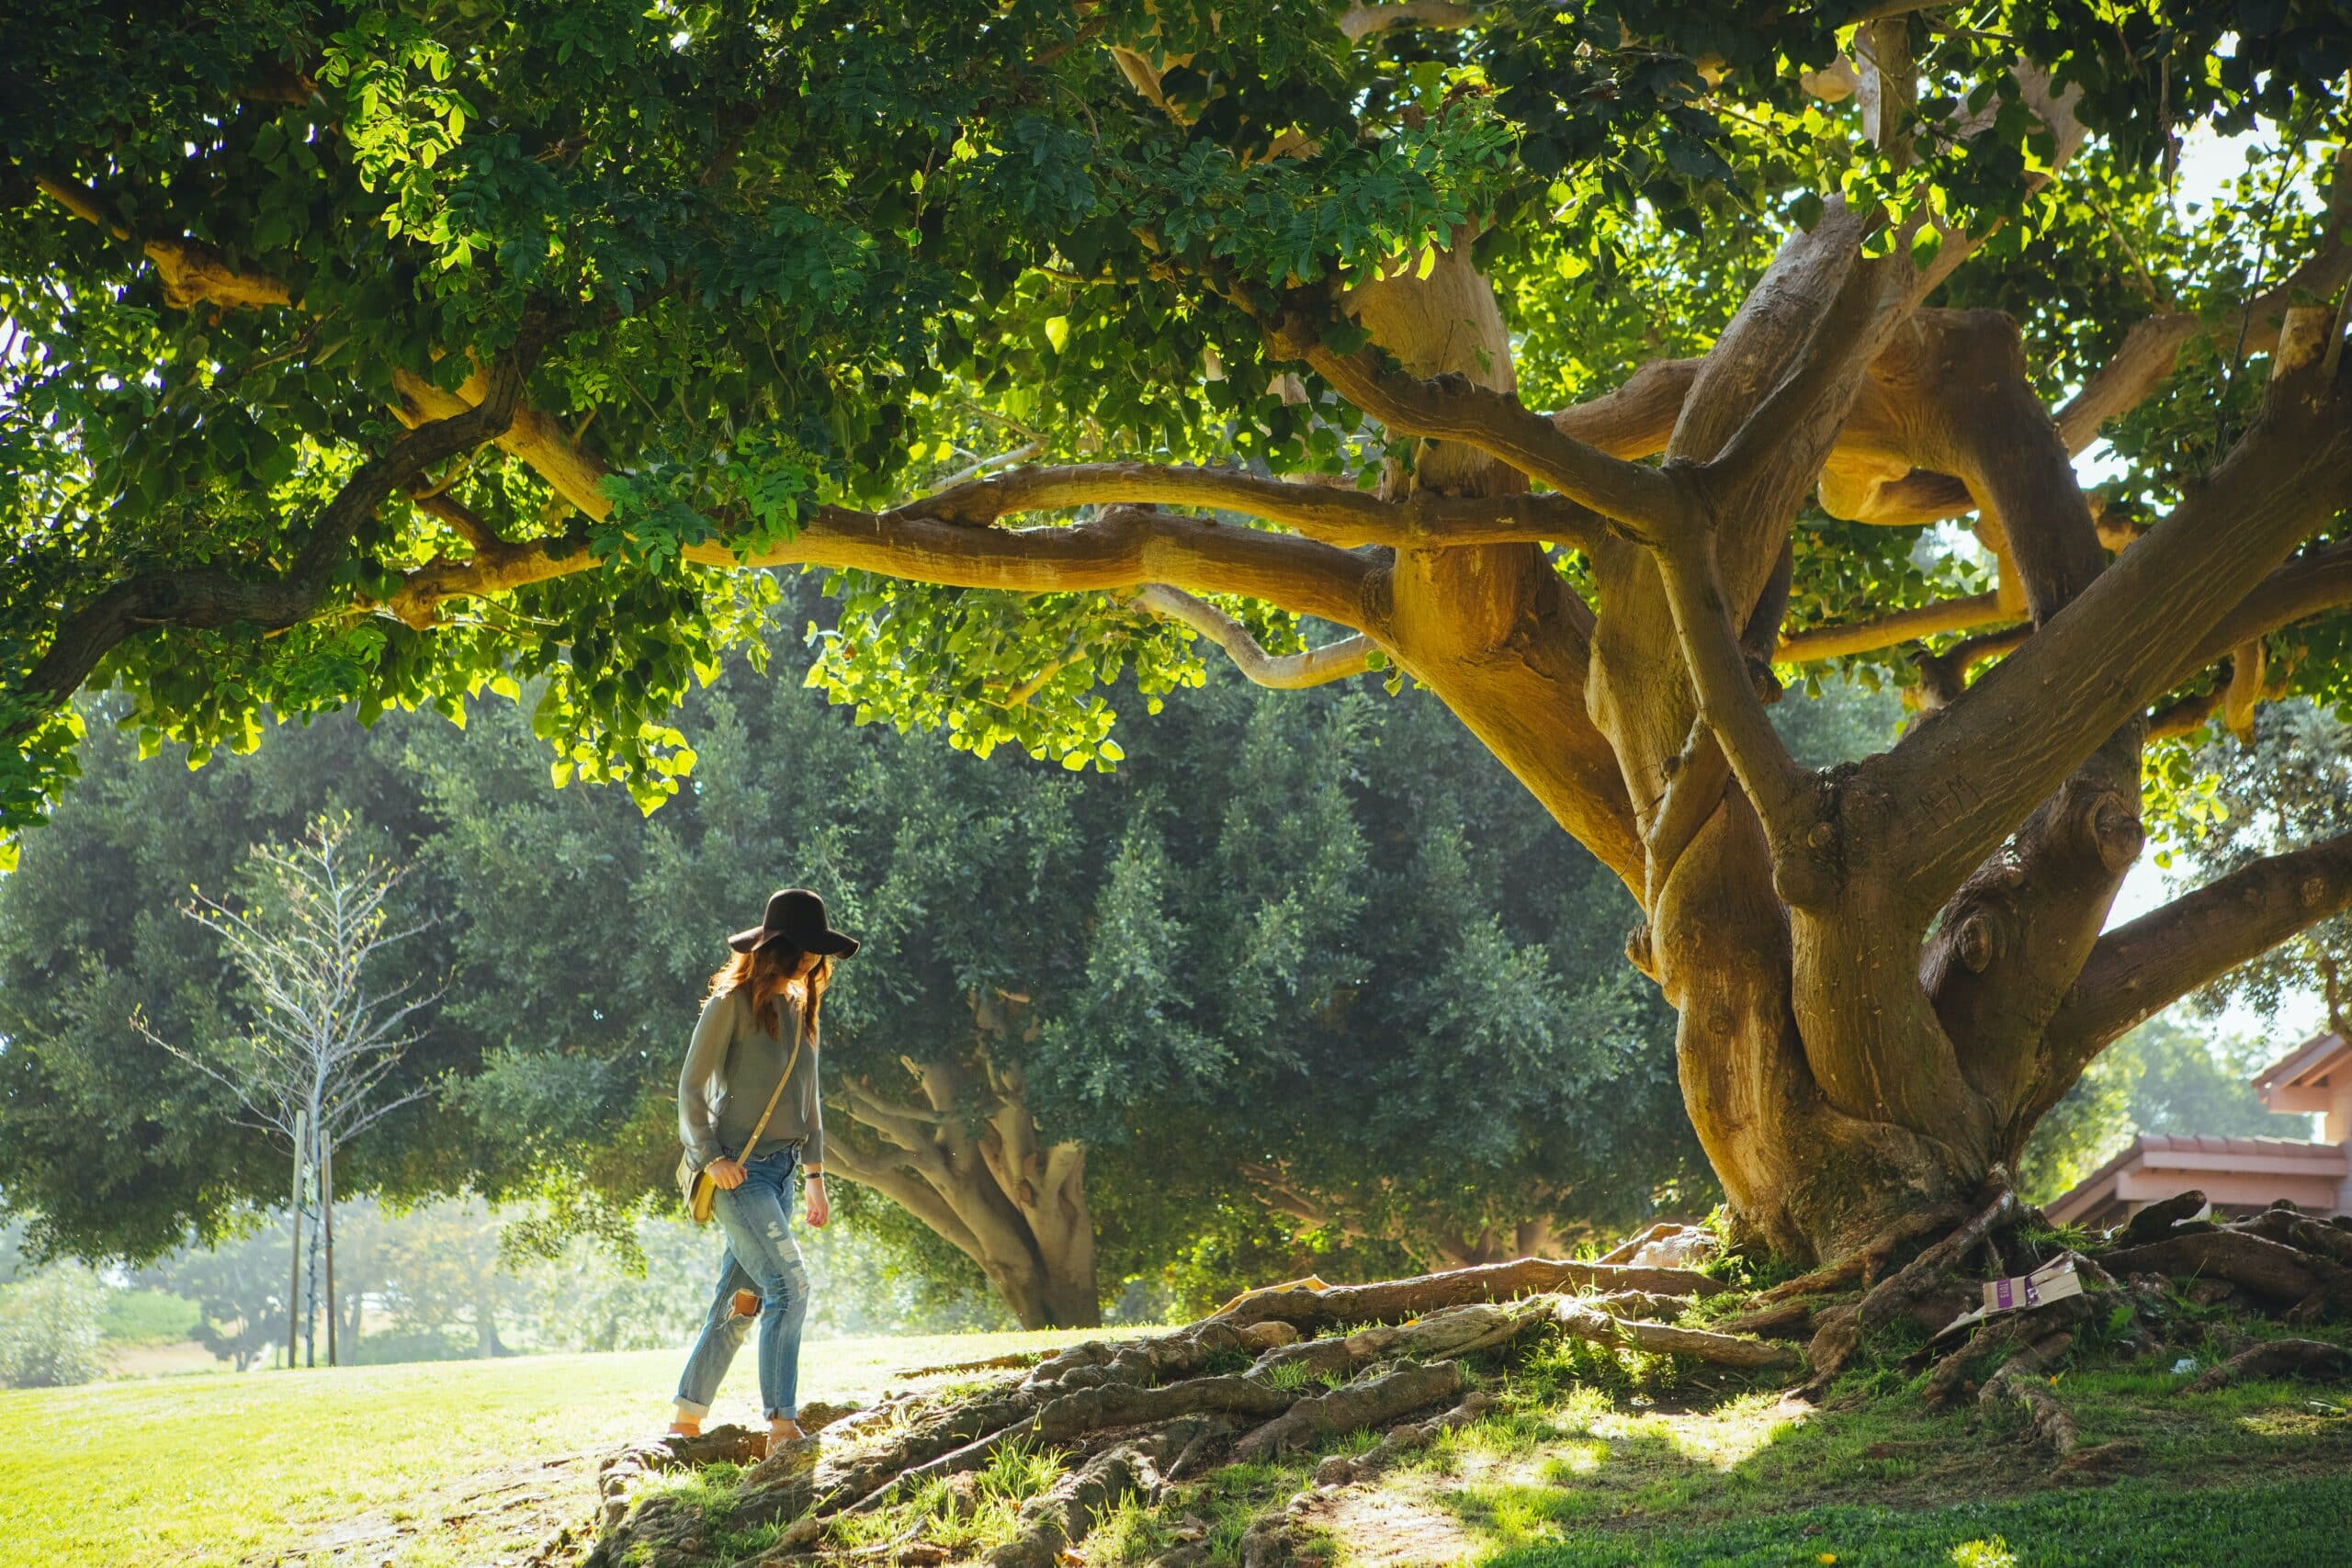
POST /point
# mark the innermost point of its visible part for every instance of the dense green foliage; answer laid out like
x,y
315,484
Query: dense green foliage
x,y
49,1329
1368,975
798,254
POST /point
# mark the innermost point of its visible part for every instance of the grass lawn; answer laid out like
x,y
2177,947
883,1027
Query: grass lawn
x,y
423,1464
2306,1525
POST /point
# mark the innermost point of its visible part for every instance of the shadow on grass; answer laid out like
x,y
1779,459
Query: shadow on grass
x,y
1577,1476
2298,1525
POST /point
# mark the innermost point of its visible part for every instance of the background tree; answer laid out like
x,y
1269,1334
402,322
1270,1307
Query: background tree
x,y
239,1286
325,1030
517,336
49,1329
2284,784
90,932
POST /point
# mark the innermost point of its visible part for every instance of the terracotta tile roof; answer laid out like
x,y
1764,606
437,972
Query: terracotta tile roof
x,y
2320,1052
2328,1156
2324,1159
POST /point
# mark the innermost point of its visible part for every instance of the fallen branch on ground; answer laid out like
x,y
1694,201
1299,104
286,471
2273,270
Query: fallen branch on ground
x,y
1581,1321
2276,1359
1396,1299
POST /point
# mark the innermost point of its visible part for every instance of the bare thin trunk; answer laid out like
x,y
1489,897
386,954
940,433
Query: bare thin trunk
x,y
294,1223
326,1223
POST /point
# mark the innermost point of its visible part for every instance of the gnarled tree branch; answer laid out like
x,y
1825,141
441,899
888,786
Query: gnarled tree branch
x,y
2142,966
1985,762
1450,407
1314,667
1816,643
1347,518
208,596
1124,547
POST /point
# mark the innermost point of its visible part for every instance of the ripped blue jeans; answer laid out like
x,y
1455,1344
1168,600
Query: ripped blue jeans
x,y
761,1255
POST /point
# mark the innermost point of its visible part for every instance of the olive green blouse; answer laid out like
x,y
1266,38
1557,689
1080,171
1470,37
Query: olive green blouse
x,y
732,1068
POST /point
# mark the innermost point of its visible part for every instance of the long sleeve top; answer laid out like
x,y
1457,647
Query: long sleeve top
x,y
733,1067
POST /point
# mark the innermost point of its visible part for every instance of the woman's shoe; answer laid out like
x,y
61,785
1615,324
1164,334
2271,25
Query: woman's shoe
x,y
782,1434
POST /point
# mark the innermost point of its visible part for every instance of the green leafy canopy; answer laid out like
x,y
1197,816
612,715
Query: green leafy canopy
x,y
830,253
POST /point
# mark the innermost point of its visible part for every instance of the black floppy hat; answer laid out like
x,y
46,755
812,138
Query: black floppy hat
x,y
795,916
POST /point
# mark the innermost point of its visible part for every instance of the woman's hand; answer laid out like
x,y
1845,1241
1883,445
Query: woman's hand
x,y
728,1173
820,1208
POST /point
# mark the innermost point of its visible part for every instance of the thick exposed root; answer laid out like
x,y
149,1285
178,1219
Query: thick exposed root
x,y
1782,1320
2274,1273
1340,1470
1947,1376
2322,1238
1581,1321
1456,1331
1641,1304
1373,1400
2278,1359
2157,1221
2021,1378
1949,1372
1841,1328
1863,1262
1052,1524
1078,1389
1396,1299
676,1530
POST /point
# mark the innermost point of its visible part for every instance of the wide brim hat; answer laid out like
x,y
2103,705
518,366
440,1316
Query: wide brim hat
x,y
795,916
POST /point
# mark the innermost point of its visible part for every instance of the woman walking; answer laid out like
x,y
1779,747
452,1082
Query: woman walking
x,y
749,1117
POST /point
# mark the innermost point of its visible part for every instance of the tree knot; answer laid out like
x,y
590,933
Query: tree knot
x,y
1979,944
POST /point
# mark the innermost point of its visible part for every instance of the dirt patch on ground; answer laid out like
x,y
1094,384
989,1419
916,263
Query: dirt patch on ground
x,y
1389,1526
495,1516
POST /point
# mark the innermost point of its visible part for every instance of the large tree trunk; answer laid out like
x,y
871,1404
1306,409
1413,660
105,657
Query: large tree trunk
x,y
1817,1061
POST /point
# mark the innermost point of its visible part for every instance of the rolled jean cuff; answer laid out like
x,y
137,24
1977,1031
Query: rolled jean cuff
x,y
689,1408
791,1416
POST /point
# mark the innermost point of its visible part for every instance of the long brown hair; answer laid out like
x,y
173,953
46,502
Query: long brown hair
x,y
768,973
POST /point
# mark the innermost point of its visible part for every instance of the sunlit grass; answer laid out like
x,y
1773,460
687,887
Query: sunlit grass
x,y
217,1467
